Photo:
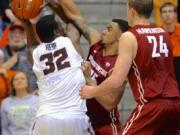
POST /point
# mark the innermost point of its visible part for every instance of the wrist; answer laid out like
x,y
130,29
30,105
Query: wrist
x,y
90,81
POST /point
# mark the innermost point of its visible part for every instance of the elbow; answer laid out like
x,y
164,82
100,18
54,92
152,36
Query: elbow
x,y
115,86
116,83
109,108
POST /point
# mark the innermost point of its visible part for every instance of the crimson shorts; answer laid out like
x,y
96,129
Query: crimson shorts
x,y
157,117
111,129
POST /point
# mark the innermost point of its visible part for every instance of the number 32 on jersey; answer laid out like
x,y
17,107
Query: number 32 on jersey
x,y
158,51
60,63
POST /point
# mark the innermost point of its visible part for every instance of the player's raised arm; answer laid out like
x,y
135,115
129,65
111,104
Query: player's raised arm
x,y
32,41
73,33
73,14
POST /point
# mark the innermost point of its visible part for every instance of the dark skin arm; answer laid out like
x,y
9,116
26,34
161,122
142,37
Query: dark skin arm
x,y
73,15
74,35
32,41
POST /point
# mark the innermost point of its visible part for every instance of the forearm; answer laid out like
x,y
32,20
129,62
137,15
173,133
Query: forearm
x,y
108,86
10,15
72,12
59,11
32,41
111,100
9,63
70,8
73,33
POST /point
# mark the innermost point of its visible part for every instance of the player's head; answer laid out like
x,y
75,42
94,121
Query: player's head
x,y
113,31
168,13
20,83
139,8
48,28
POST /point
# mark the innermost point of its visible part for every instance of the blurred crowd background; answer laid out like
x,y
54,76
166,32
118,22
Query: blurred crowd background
x,y
19,105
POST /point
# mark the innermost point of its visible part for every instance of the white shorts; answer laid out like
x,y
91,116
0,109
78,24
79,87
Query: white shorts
x,y
75,125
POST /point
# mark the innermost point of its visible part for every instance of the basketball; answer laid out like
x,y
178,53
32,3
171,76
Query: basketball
x,y
26,9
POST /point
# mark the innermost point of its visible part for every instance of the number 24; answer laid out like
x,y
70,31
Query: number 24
x,y
163,46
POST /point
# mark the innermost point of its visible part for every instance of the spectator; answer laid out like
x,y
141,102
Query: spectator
x,y
18,111
17,56
157,4
168,13
5,79
7,17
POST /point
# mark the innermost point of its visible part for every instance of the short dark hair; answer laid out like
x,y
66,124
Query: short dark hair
x,y
123,25
45,28
142,7
167,4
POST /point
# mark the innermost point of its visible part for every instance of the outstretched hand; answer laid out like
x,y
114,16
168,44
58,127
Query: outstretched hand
x,y
87,92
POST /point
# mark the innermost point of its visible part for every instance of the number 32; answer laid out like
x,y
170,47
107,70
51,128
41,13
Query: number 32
x,y
49,57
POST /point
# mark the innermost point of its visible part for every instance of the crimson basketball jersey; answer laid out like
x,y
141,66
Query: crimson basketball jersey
x,y
101,65
152,72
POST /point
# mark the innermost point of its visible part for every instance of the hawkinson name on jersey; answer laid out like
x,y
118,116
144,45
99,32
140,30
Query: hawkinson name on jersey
x,y
149,30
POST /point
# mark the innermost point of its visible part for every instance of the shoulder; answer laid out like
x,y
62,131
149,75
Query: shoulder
x,y
63,40
97,43
128,42
6,101
128,36
33,98
35,50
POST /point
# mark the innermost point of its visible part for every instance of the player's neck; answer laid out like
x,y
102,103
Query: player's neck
x,y
110,49
169,27
140,21
21,93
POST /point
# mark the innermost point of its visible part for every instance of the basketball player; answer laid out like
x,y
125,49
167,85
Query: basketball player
x,y
57,67
145,55
103,110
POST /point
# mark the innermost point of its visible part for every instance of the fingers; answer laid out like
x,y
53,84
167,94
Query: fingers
x,y
81,93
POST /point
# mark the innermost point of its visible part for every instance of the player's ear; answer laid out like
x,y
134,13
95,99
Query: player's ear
x,y
132,12
59,32
56,32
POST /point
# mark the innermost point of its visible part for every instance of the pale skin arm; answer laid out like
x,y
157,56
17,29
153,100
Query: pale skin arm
x,y
10,15
108,101
127,52
10,62
72,13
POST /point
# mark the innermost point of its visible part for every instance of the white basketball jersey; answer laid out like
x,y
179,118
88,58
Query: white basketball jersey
x,y
57,67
